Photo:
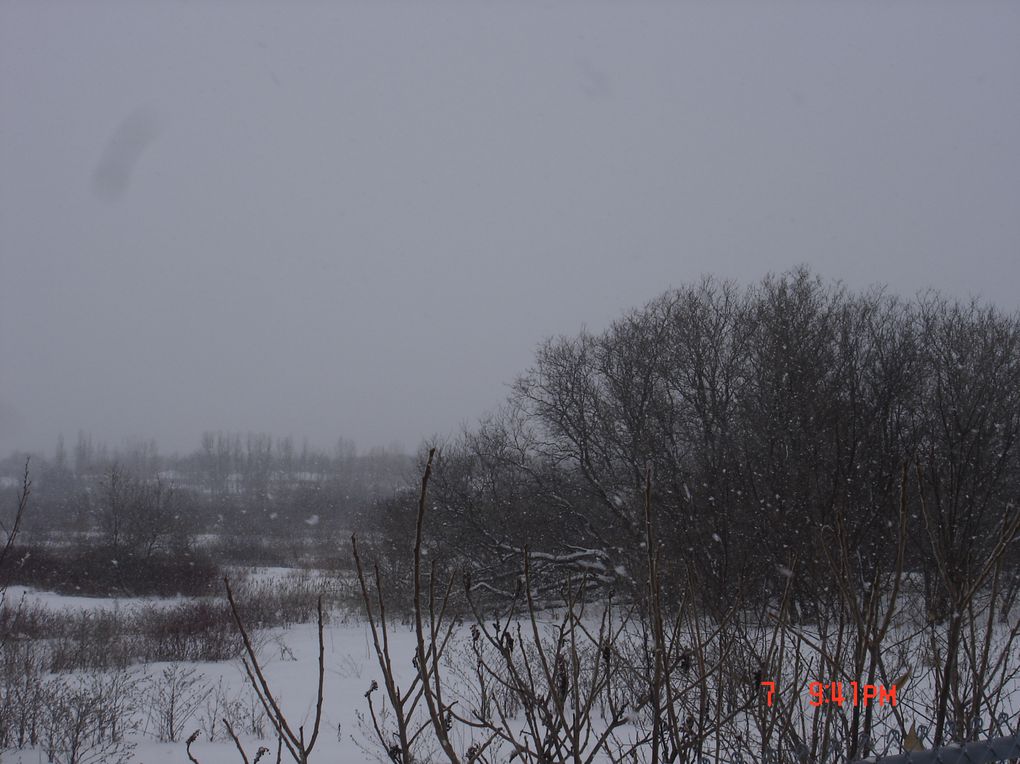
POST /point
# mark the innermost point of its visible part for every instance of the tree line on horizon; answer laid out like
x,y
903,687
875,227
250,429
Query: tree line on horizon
x,y
247,484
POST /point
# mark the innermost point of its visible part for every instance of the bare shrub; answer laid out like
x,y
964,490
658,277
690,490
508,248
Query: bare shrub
x,y
242,710
11,531
88,716
218,705
286,600
23,695
192,631
173,697
90,640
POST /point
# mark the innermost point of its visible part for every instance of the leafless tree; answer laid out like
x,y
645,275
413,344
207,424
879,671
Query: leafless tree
x,y
13,528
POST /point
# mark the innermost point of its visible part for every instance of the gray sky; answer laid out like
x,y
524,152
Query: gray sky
x,y
359,218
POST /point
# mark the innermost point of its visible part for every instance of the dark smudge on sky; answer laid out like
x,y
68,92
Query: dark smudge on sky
x,y
127,144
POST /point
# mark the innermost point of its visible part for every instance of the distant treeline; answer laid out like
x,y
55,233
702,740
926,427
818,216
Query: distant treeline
x,y
235,484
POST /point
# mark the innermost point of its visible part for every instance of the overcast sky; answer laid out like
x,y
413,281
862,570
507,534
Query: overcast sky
x,y
359,219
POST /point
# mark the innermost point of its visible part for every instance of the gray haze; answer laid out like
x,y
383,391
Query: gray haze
x,y
358,219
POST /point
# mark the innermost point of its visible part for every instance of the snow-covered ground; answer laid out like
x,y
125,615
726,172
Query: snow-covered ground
x,y
289,658
66,603
210,691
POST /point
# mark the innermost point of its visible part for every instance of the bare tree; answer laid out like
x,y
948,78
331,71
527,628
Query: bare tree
x,y
12,529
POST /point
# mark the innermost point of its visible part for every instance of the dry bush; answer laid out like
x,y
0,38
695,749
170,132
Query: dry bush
x,y
23,695
242,709
173,697
87,717
195,631
91,640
